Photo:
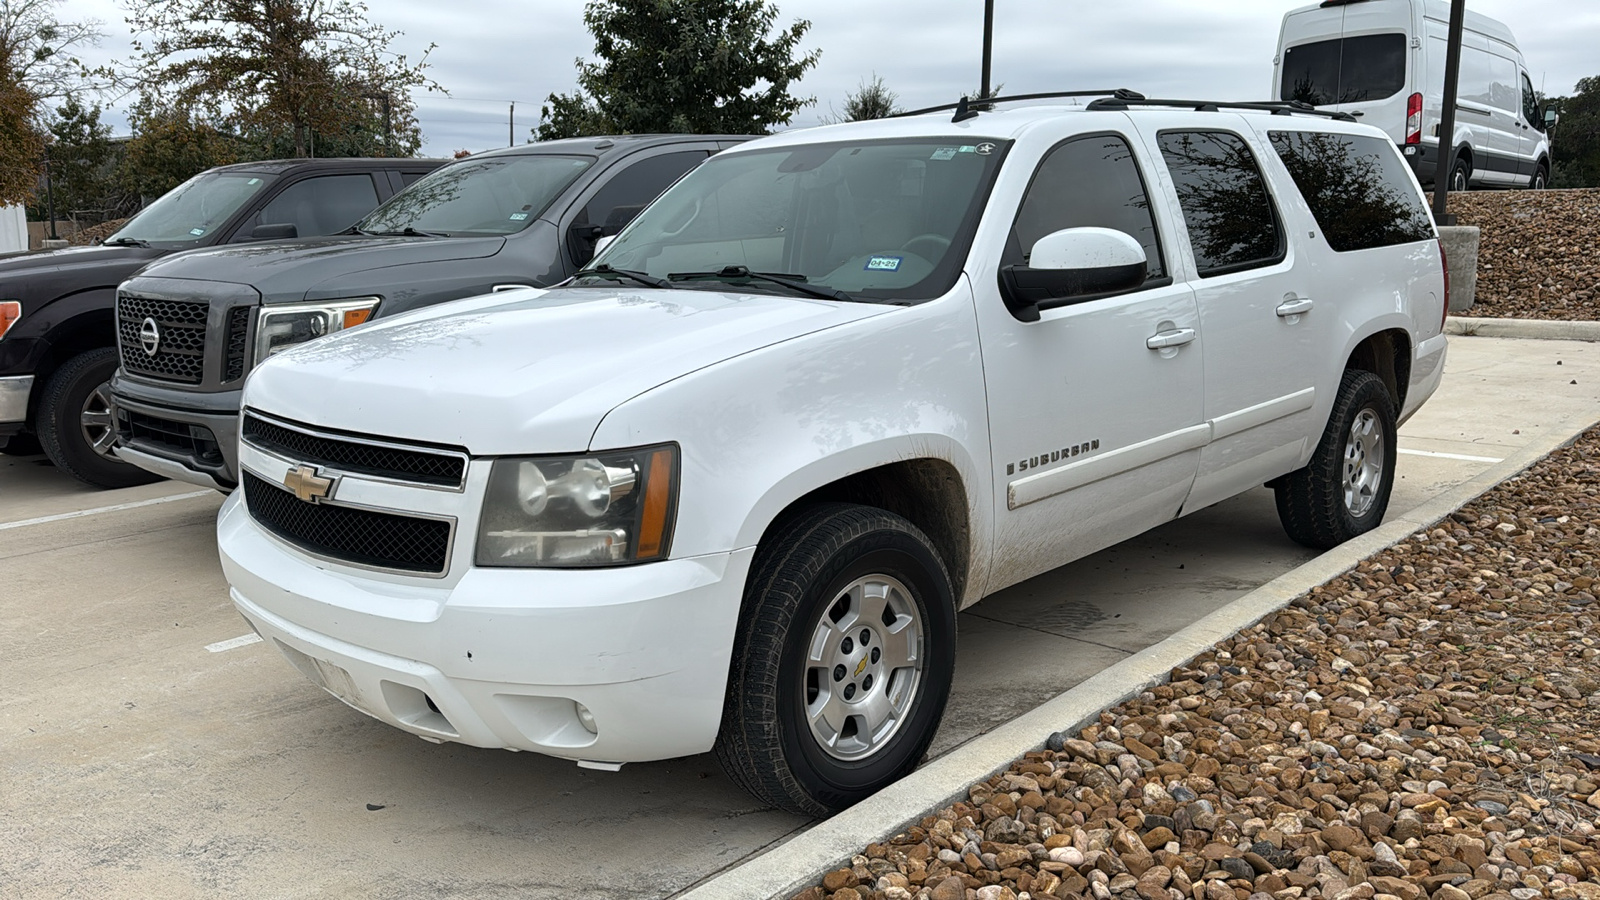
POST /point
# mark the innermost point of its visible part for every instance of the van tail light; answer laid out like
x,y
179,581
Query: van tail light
x,y
1444,261
1414,119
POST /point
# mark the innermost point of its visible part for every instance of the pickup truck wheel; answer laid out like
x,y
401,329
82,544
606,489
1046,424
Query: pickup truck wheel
x,y
75,422
1344,491
842,660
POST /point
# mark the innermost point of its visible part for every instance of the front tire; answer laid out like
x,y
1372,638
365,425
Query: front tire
x,y
1541,178
75,422
1460,175
842,661
1344,491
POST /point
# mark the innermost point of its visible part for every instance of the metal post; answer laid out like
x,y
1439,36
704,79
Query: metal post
x,y
1444,168
388,124
511,129
988,45
50,194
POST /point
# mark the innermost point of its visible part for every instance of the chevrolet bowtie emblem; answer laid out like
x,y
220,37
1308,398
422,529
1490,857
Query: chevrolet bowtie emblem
x,y
308,485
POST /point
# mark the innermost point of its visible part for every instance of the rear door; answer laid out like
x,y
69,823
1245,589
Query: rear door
x,y
1095,432
1261,315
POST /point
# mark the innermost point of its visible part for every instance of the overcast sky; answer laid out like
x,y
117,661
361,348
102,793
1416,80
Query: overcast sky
x,y
491,52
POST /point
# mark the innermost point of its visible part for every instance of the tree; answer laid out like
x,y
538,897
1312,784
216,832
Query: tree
x,y
291,75
867,101
684,66
21,144
1575,143
80,159
169,147
36,51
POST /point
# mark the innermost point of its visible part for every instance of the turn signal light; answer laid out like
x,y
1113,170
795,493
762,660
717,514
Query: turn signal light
x,y
10,312
354,317
1414,119
657,505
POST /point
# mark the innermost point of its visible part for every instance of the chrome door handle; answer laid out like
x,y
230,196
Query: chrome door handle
x,y
1298,306
1177,337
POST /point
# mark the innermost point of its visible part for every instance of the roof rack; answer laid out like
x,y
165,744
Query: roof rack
x,y
1276,107
967,108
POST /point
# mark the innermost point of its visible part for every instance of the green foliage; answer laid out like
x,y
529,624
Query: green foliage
x,y
1575,143
169,147
81,170
868,101
684,66
289,76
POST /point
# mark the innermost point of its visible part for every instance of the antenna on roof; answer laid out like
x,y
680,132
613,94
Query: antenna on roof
x,y
963,111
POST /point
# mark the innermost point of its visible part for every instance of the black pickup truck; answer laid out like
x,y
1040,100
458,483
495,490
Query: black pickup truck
x,y
58,331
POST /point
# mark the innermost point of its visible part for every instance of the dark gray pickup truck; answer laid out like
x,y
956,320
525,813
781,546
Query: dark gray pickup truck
x,y
58,334
192,327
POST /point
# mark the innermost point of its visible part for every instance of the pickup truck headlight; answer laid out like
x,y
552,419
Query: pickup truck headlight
x,y
602,509
282,327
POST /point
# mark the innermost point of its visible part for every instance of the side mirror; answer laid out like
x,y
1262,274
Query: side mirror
x,y
1551,118
603,243
1073,266
274,232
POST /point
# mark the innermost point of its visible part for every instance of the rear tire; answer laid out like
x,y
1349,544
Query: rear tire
x,y
1344,491
816,718
75,425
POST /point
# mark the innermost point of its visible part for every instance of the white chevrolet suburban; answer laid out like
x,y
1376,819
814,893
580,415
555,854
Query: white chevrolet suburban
x,y
728,487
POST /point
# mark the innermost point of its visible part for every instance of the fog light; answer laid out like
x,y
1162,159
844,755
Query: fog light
x,y
586,718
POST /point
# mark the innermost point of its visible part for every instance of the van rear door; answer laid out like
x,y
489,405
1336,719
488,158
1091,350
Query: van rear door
x,y
1352,57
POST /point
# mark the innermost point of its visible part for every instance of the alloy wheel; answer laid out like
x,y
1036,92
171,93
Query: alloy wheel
x,y
1363,463
95,421
863,667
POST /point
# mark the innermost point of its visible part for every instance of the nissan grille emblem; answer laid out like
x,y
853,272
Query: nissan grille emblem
x,y
150,337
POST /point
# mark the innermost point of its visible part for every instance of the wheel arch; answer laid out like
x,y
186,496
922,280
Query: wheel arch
x,y
1386,354
80,322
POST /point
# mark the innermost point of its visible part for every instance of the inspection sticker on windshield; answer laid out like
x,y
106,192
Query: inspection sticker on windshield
x,y
519,217
197,231
944,153
883,263
253,181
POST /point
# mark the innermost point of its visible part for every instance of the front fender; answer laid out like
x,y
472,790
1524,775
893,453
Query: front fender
x,y
766,428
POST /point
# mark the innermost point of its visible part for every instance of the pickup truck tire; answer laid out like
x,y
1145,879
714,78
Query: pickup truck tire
x,y
1344,491
75,426
842,661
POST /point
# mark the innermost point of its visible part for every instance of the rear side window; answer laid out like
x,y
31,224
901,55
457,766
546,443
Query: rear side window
x,y
1087,182
1345,70
1357,189
1232,223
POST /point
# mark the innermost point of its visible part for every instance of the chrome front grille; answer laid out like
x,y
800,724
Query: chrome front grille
x,y
359,455
361,537
180,327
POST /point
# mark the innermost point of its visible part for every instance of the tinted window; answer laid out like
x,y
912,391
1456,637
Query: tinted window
x,y
489,195
406,178
1530,104
324,205
1232,224
1357,188
1345,70
194,209
628,192
1088,182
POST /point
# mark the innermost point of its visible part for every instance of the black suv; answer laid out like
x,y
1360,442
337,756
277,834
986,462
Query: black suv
x,y
59,351
194,326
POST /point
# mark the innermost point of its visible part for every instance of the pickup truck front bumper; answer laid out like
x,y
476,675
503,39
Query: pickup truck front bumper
x,y
14,394
183,435
504,658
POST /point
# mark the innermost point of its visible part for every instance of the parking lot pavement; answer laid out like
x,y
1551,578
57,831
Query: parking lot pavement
x,y
148,752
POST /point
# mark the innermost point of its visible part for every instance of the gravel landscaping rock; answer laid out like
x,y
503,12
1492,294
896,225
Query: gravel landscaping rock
x,y
1423,727
1537,259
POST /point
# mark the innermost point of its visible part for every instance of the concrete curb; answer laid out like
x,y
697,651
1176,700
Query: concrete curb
x,y
799,862
1534,329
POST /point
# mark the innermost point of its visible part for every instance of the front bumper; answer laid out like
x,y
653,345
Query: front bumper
x,y
500,657
184,435
14,393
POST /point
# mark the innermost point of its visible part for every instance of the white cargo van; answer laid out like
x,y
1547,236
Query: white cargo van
x,y
1383,61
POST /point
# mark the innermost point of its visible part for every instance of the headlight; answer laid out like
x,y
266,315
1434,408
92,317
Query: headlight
x,y
282,327
603,509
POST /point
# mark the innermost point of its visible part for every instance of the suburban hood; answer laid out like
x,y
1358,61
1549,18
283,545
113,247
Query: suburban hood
x,y
288,268
20,269
526,371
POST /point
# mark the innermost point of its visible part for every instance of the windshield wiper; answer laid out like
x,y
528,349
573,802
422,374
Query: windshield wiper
x,y
734,274
125,242
408,231
604,270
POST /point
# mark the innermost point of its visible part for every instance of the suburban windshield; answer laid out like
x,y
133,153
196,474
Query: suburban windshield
x,y
192,210
496,195
877,220
1345,70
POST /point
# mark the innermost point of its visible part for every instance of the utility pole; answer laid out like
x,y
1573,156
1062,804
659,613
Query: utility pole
x,y
511,129
50,193
388,120
988,46
1444,169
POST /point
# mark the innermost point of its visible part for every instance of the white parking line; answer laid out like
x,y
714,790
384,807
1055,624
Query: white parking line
x,y
103,509
243,640
1483,459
